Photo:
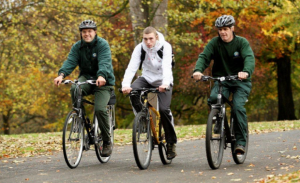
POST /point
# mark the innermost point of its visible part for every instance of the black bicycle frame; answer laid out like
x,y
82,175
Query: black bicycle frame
x,y
80,109
221,100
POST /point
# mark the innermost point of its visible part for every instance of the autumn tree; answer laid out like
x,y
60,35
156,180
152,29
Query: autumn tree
x,y
282,31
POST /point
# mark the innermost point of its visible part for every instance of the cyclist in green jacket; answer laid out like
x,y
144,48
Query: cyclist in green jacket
x,y
232,55
93,56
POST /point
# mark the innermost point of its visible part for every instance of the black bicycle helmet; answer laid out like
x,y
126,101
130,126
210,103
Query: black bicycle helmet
x,y
225,21
87,24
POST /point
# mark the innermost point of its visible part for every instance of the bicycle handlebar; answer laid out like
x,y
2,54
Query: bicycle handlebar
x,y
222,78
92,82
152,90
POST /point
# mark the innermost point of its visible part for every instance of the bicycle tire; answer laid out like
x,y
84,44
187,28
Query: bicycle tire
x,y
142,140
98,136
240,159
73,139
214,141
162,146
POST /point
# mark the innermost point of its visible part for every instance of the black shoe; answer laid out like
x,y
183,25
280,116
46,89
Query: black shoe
x,y
107,149
239,149
171,151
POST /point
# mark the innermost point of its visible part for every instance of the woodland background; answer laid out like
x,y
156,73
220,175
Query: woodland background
x,y
36,37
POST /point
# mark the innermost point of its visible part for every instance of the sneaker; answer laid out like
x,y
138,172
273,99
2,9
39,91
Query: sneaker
x,y
239,149
171,151
107,149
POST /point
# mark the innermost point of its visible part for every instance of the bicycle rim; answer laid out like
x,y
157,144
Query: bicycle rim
x,y
239,158
214,140
73,139
162,147
98,137
142,141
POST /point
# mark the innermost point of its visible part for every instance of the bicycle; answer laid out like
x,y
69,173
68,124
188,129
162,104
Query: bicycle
x,y
142,140
219,134
77,123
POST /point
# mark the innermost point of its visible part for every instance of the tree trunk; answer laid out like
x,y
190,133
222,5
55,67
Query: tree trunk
x,y
6,123
139,16
144,14
286,110
160,20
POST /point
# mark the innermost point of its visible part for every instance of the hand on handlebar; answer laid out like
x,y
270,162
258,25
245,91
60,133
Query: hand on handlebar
x,y
197,75
163,88
100,81
243,75
58,80
126,90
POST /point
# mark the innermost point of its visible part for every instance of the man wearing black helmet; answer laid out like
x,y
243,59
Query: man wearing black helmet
x,y
93,56
232,55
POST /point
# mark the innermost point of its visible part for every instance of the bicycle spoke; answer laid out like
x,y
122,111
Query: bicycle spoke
x,y
214,139
72,140
142,141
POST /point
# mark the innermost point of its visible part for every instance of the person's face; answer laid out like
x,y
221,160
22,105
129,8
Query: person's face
x,y
88,35
226,33
150,39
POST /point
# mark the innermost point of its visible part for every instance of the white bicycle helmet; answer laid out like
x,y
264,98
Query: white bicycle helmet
x,y
87,24
225,21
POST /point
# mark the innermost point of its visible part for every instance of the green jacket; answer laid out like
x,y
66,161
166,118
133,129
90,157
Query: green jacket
x,y
229,58
93,59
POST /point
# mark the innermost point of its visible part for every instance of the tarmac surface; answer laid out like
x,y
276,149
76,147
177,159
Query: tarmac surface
x,y
270,154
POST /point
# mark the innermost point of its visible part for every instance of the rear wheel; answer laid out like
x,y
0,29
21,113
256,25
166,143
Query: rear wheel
x,y
240,158
142,141
215,139
98,136
162,147
73,134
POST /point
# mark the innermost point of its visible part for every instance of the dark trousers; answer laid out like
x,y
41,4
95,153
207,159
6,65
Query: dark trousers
x,y
102,96
164,100
240,91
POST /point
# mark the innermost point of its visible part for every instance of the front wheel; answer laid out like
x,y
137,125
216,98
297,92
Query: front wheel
x,y
142,140
162,147
73,134
240,158
98,136
215,139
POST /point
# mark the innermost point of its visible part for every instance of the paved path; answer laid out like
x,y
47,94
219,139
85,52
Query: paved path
x,y
269,154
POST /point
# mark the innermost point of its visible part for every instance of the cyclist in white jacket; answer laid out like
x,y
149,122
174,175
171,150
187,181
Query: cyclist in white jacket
x,y
157,72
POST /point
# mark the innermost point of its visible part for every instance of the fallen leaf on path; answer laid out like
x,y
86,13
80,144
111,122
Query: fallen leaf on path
x,y
213,177
251,165
270,176
236,180
230,173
